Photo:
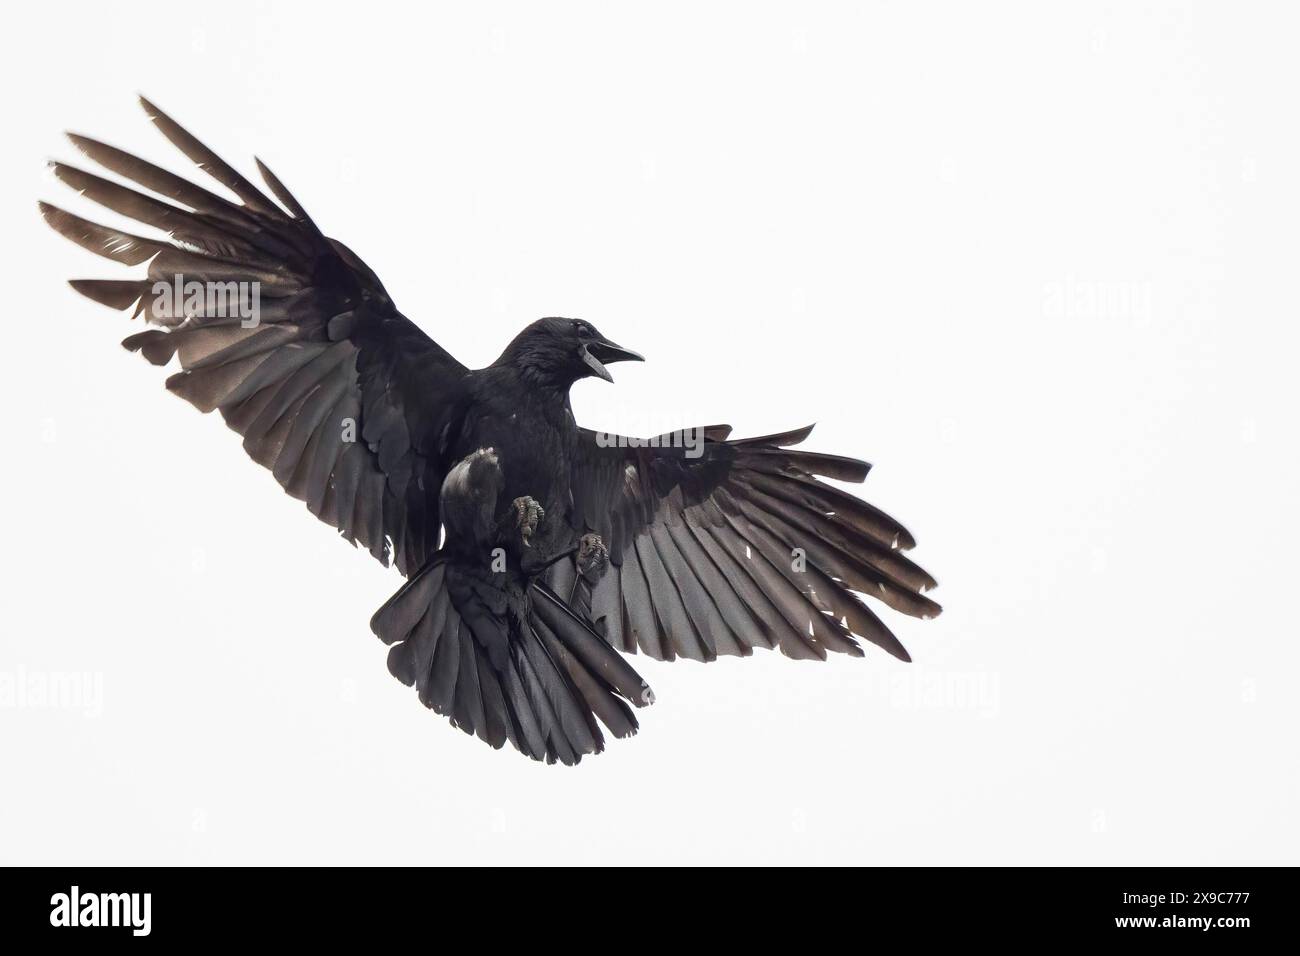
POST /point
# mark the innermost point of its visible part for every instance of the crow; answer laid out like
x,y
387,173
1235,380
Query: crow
x,y
537,553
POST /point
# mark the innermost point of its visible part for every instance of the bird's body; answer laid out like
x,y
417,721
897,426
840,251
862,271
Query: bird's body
x,y
536,551
534,440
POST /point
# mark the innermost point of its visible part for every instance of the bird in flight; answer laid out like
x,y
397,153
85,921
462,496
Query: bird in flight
x,y
537,552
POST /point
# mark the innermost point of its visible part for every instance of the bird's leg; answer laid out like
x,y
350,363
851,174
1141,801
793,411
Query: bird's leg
x,y
590,552
593,558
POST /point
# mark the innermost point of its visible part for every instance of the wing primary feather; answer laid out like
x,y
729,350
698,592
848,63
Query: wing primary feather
x,y
208,161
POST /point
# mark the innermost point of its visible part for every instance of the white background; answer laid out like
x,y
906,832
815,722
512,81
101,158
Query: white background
x,y
1035,261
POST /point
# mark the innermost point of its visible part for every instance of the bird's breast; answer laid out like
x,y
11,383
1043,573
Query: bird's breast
x,y
534,453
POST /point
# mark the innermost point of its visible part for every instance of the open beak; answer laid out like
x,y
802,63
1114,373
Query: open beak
x,y
599,354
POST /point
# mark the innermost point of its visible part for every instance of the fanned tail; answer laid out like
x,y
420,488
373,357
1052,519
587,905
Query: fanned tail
x,y
508,665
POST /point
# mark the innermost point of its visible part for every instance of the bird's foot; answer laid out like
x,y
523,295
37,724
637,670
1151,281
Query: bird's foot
x,y
528,515
593,557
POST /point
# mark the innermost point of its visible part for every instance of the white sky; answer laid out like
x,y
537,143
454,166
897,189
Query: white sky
x,y
1035,262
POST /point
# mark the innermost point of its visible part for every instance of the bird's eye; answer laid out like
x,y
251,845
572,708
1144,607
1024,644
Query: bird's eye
x,y
582,328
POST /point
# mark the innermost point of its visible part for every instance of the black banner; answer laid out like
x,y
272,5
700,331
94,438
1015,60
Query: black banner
x,y
1169,906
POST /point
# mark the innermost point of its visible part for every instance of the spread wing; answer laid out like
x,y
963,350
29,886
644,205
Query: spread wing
x,y
718,547
291,337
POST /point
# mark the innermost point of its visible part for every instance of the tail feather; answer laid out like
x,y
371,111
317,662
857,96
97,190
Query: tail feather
x,y
504,664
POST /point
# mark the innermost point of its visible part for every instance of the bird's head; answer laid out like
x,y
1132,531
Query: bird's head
x,y
559,351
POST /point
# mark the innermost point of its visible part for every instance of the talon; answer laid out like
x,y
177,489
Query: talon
x,y
528,515
593,557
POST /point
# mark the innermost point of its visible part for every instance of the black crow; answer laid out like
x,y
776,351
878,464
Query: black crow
x,y
534,550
